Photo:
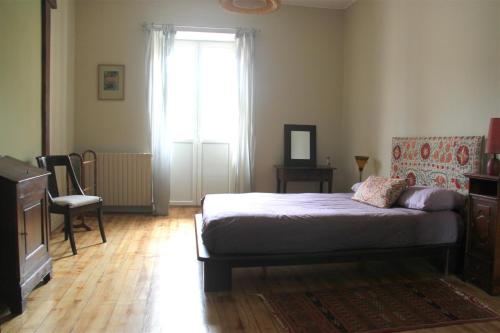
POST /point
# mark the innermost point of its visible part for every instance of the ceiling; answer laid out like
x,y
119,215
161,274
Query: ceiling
x,y
330,4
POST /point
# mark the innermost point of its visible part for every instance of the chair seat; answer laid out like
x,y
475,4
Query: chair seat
x,y
75,200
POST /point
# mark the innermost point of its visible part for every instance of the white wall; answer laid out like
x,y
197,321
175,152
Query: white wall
x,y
382,68
62,89
62,74
415,68
298,74
20,79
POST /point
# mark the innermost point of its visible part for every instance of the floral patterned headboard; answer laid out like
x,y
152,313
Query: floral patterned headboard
x,y
437,161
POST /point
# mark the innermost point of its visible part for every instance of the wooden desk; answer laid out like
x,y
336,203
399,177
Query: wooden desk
x,y
321,174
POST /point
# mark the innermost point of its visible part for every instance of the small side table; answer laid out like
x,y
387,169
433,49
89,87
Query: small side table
x,y
321,174
482,261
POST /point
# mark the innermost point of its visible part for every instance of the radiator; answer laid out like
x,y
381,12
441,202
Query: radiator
x,y
124,181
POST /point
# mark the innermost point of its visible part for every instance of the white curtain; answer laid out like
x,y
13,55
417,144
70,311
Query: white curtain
x,y
160,45
245,150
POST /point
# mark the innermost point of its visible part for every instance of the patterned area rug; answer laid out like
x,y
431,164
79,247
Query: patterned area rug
x,y
392,307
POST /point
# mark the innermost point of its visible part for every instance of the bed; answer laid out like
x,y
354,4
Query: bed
x,y
265,229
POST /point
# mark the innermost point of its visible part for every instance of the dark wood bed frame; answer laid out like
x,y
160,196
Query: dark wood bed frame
x,y
217,268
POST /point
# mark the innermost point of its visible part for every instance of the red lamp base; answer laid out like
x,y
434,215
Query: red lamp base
x,y
493,166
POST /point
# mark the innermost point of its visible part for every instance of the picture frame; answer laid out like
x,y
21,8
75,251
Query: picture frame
x,y
111,82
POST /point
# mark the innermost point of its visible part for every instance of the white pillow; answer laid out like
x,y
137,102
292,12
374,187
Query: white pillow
x,y
355,187
431,199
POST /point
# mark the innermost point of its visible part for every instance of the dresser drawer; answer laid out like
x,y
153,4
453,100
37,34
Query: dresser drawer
x,y
32,189
478,272
481,233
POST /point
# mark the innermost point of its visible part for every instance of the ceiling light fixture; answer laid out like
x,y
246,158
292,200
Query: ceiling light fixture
x,y
251,6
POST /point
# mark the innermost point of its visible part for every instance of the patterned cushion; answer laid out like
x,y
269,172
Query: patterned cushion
x,y
437,161
380,191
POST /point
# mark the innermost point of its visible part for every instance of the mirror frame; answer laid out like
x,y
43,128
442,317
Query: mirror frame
x,y
311,162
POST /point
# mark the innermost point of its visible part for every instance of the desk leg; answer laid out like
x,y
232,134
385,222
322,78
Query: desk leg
x,y
330,186
320,187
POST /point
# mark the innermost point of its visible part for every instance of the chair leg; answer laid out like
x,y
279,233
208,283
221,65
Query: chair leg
x,y
69,229
65,232
101,226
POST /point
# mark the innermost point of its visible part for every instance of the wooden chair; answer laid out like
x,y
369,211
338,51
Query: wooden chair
x,y
71,205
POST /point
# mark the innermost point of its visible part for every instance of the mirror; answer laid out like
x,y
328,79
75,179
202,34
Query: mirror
x,y
300,145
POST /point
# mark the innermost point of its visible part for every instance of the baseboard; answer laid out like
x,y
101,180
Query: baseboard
x,y
128,209
56,221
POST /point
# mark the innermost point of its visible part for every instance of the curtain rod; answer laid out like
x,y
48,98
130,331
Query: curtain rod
x,y
152,26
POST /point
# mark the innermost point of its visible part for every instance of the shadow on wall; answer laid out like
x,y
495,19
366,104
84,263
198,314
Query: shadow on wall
x,y
363,94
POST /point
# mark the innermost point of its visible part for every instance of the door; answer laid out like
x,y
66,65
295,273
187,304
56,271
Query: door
x,y
32,225
202,116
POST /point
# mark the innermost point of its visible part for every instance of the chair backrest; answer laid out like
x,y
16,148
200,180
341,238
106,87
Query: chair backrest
x,y
76,163
49,163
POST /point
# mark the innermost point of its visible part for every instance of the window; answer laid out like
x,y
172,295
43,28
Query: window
x,y
202,97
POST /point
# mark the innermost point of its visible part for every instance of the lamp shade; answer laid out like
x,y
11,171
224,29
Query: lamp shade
x,y
361,161
493,143
251,6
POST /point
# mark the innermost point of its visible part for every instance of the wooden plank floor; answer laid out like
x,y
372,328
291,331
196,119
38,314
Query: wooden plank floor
x,y
146,279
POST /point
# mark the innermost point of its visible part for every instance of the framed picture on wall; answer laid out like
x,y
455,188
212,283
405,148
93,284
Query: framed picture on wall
x,y
111,82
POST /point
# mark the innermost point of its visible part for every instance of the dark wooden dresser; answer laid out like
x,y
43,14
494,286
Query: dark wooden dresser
x,y
24,231
482,253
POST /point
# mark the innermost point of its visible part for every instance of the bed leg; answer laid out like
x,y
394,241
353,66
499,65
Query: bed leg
x,y
216,276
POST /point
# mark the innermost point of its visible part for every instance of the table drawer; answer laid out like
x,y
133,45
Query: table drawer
x,y
306,175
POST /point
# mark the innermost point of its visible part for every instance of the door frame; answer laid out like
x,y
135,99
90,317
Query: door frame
x,y
47,6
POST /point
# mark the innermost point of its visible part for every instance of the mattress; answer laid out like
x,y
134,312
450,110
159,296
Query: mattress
x,y
267,223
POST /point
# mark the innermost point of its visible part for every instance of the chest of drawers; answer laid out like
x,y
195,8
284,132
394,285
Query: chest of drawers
x,y
482,254
24,231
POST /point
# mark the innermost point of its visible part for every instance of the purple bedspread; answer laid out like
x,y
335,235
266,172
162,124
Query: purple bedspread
x,y
264,223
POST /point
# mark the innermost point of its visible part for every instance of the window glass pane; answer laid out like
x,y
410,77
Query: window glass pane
x,y
205,36
182,91
218,91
